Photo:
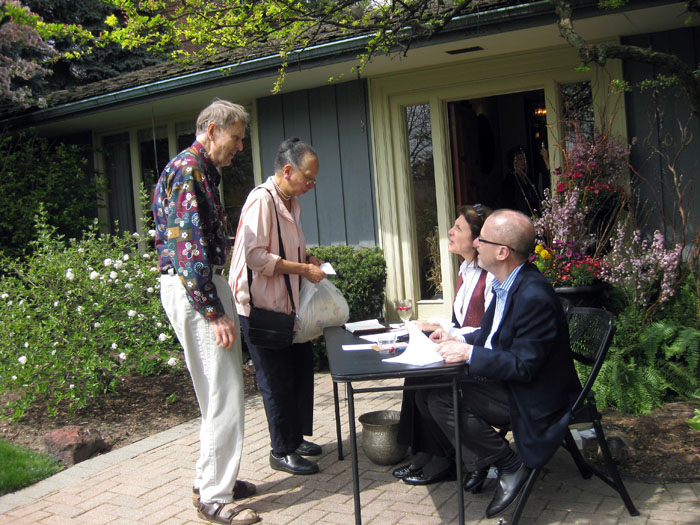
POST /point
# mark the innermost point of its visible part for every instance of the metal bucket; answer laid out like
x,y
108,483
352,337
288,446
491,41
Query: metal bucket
x,y
379,432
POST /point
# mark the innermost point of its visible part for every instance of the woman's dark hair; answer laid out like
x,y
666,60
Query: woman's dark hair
x,y
292,151
475,215
514,152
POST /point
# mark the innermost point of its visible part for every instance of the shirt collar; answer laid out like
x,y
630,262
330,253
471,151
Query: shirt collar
x,y
212,172
501,289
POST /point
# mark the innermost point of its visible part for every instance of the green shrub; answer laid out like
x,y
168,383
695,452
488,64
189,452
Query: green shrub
x,y
33,170
76,316
650,364
361,278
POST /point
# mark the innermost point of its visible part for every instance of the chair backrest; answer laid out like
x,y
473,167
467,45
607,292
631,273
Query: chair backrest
x,y
591,332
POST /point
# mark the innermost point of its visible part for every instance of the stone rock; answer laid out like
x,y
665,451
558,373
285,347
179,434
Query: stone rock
x,y
73,444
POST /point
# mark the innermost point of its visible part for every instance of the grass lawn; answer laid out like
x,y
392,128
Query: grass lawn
x,y
22,467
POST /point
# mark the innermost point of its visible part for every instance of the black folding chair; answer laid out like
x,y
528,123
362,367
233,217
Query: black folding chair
x,y
591,331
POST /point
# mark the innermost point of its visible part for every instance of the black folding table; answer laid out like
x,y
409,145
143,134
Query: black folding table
x,y
348,366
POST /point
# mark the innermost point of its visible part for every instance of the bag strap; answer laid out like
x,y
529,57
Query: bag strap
x,y
282,254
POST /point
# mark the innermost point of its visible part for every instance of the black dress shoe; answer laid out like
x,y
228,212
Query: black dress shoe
x,y
507,490
308,449
405,470
421,478
293,463
473,481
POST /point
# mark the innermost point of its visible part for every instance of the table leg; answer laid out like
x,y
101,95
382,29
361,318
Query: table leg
x,y
458,448
339,437
353,450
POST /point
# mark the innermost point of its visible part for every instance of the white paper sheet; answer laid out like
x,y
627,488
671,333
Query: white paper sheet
x,y
357,347
420,350
327,268
369,324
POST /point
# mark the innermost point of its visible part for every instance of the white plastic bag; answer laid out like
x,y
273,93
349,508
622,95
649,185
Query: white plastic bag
x,y
320,305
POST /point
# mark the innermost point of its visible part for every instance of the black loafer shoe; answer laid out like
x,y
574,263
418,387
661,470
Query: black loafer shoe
x,y
421,478
293,463
405,470
507,490
473,481
308,449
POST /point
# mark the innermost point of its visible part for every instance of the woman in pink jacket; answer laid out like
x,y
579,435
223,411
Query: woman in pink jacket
x,y
285,376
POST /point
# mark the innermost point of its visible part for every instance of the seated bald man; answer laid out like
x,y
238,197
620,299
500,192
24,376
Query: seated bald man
x,y
520,368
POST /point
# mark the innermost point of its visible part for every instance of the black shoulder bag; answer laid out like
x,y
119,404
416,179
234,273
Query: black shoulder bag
x,y
268,329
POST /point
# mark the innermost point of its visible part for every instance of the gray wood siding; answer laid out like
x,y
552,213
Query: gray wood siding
x,y
334,119
657,207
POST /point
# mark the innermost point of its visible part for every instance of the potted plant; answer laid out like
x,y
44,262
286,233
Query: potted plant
x,y
576,219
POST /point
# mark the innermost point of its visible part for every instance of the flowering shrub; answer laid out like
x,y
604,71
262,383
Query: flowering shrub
x,y
575,221
76,316
646,272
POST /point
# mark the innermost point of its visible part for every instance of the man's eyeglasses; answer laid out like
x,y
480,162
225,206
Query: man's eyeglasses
x,y
481,239
309,181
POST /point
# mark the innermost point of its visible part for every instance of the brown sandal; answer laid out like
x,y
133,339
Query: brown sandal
x,y
241,490
226,514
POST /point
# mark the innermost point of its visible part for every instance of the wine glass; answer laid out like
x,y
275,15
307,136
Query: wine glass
x,y
405,308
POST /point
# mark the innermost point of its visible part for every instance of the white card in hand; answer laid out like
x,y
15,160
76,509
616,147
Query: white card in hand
x,y
327,268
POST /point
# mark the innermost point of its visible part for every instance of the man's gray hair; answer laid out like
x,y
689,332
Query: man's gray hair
x,y
222,113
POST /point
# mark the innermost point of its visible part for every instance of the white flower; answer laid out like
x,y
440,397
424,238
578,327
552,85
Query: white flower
x,y
21,302
131,313
135,234
71,386
107,262
55,304
128,285
26,344
162,337
97,324
115,346
80,309
126,257
172,361
9,303
94,275
118,265
122,356
153,269
14,378
113,275
4,296
151,233
146,256
53,352
80,250
159,324
22,359
150,289
55,343
69,274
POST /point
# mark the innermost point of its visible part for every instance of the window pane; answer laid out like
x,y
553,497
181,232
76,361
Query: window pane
x,y
153,149
185,135
420,150
579,117
118,176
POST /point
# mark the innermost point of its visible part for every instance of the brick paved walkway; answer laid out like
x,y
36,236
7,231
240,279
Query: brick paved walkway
x,y
149,482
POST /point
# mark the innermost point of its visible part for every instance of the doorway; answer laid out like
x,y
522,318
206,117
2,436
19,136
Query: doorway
x,y
499,150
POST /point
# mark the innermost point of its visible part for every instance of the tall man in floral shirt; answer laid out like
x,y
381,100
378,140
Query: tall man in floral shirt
x,y
193,247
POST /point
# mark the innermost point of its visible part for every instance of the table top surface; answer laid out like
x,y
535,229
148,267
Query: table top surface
x,y
363,365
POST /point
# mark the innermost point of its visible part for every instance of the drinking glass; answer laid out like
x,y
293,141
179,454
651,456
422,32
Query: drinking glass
x,y
405,308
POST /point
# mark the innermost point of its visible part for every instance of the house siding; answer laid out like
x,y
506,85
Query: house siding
x,y
653,128
335,120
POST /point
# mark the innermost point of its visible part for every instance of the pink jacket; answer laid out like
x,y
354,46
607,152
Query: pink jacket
x,y
257,244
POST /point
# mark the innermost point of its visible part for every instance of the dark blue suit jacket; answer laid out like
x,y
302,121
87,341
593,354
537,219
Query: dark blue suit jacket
x,y
532,356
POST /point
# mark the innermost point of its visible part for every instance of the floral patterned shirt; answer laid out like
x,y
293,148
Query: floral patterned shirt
x,y
190,226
